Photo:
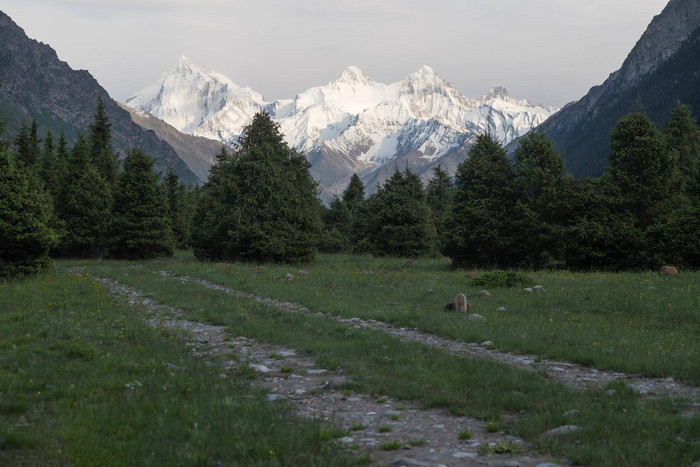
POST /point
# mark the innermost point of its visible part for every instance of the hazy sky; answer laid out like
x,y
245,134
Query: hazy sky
x,y
548,51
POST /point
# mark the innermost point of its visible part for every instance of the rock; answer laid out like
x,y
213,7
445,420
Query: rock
x,y
465,455
509,464
487,344
571,413
538,289
336,382
610,392
476,317
406,461
302,272
483,293
562,430
527,290
668,270
260,368
276,397
288,278
547,464
347,440
501,309
319,371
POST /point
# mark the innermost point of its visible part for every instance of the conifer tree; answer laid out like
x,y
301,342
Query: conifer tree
x,y
27,144
48,169
100,139
402,223
480,223
683,136
140,228
25,213
538,176
640,165
438,197
336,221
84,206
175,195
354,194
264,200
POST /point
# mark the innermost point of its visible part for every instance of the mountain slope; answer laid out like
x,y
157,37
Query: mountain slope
x,y
353,124
662,68
197,152
36,84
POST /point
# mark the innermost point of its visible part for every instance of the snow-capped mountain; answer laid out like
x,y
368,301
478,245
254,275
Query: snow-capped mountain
x,y
352,124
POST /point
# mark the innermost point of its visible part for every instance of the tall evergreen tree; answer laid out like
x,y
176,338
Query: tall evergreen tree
x,y
640,165
28,145
100,139
438,197
683,135
48,170
480,222
538,176
354,194
25,213
265,201
175,194
336,232
84,206
140,228
402,223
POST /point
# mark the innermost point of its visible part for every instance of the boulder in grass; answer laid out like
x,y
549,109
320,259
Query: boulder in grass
x,y
538,289
288,278
484,293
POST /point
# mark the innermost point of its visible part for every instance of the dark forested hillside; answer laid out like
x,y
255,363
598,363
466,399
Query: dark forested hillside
x,y
37,85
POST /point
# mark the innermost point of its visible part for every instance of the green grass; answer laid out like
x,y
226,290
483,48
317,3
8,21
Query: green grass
x,y
84,381
633,322
616,430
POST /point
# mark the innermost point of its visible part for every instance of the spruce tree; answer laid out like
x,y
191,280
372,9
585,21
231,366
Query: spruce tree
x,y
176,203
682,135
84,206
140,228
27,145
354,194
538,175
480,227
264,200
438,197
48,170
100,139
25,213
402,223
640,165
336,232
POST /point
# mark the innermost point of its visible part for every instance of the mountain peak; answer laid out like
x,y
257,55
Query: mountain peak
x,y
353,74
496,92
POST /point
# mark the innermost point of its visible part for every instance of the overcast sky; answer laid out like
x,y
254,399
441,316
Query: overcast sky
x,y
547,51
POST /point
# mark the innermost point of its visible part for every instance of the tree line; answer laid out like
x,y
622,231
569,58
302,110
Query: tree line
x,y
525,212
62,200
260,204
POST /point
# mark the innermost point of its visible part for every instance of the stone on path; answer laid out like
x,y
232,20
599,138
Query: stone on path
x,y
562,430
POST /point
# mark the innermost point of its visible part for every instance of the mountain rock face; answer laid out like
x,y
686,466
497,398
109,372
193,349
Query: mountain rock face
x,y
662,68
36,84
351,125
197,152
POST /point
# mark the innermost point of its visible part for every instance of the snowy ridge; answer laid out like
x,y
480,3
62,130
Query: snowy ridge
x,y
355,116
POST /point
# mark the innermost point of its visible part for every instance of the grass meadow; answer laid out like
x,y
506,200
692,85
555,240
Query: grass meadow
x,y
84,380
